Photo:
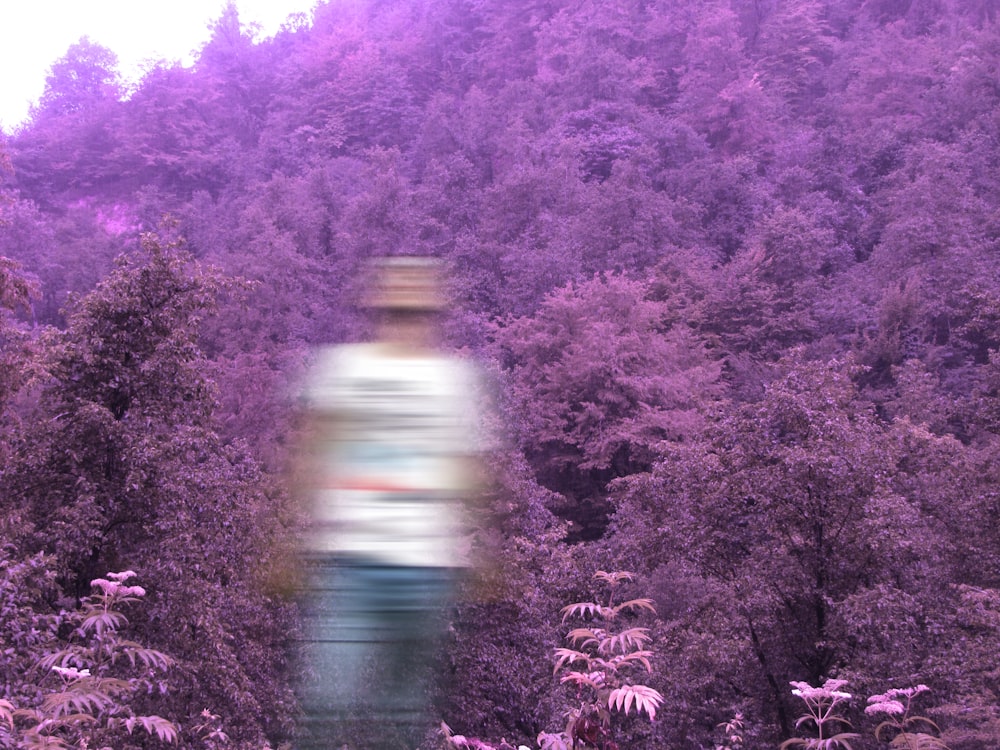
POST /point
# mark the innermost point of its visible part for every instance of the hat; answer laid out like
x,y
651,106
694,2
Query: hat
x,y
406,283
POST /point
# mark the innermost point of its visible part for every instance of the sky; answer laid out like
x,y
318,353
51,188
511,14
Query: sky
x,y
36,33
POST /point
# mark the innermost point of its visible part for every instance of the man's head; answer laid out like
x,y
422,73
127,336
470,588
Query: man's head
x,y
406,284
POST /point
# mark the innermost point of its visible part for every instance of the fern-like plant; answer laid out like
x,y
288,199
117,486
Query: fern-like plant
x,y
89,688
908,731
602,662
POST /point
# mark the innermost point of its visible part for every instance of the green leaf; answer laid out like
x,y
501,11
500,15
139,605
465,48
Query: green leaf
x,y
100,622
638,656
7,712
165,730
917,741
582,609
625,641
584,636
613,578
645,698
593,680
569,656
635,604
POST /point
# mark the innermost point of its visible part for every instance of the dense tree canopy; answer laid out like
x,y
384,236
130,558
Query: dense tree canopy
x,y
731,266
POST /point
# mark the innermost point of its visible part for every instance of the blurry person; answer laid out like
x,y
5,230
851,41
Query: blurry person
x,y
392,446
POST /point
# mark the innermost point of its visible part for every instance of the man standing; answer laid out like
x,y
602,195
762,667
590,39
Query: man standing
x,y
392,452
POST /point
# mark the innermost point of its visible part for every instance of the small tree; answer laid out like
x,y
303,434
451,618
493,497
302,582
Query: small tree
x,y
600,663
88,688
605,662
597,381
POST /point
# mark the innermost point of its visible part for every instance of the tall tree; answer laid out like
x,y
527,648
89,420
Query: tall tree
x,y
121,467
597,383
68,140
85,77
792,505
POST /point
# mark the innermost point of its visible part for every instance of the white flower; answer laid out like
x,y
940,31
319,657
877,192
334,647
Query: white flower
x,y
891,707
894,694
829,690
71,673
115,587
108,587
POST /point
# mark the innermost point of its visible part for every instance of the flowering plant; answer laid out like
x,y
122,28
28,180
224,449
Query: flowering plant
x,y
89,705
821,703
896,704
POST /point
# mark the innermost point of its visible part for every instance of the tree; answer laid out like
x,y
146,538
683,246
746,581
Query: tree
x,y
793,48
68,140
768,297
16,350
6,171
596,384
791,506
121,465
719,93
84,78
591,52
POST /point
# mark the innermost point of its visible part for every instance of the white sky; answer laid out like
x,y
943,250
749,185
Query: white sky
x,y
36,33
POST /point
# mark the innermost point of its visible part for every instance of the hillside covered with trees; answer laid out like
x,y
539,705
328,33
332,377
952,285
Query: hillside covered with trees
x,y
733,270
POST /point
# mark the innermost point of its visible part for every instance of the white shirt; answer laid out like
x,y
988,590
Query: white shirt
x,y
395,434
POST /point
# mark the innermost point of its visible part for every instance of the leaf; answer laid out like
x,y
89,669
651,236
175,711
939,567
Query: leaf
x,y
584,636
78,719
603,664
162,728
884,725
569,656
67,657
147,656
646,604
32,714
582,609
613,578
831,743
625,641
553,741
840,741
640,656
35,741
59,705
646,699
922,720
99,622
594,680
84,696
917,741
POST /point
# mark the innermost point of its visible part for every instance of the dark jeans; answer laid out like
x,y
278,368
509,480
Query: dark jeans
x,y
372,633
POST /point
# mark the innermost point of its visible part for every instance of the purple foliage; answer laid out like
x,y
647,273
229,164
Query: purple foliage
x,y
733,263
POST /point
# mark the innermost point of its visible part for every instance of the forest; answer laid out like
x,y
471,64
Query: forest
x,y
730,267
